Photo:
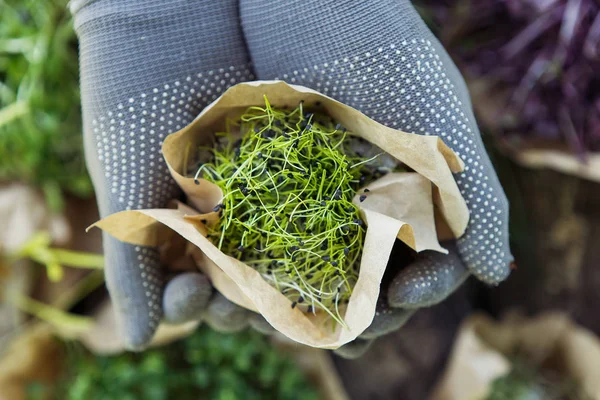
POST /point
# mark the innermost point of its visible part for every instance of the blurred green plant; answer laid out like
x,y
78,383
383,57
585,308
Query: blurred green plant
x,y
40,117
206,365
38,249
526,382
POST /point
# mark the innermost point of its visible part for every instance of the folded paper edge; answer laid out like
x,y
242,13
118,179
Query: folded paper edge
x,y
451,197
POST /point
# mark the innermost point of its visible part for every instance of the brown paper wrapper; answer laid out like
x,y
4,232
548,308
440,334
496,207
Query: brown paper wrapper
x,y
480,353
399,206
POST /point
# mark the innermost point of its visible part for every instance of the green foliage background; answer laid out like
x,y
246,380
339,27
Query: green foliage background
x,y
206,365
41,144
40,117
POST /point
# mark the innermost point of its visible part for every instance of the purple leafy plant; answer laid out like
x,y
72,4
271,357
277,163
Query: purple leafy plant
x,y
544,53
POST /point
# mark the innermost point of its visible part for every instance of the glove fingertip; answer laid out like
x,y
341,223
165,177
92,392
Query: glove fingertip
x,y
260,324
354,349
135,284
427,281
224,316
186,297
492,276
387,320
136,332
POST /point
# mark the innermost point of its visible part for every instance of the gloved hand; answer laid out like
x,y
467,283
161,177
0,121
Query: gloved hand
x,y
147,69
380,58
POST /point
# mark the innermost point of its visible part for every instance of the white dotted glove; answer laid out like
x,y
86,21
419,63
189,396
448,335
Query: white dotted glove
x,y
380,58
147,69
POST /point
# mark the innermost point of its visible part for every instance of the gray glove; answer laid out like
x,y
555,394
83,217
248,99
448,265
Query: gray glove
x,y
380,58
147,69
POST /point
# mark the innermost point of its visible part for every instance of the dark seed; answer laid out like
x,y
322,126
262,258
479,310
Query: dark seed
x,y
334,263
293,304
325,258
366,190
196,181
323,203
294,248
309,309
308,276
358,222
301,299
346,251
362,197
204,221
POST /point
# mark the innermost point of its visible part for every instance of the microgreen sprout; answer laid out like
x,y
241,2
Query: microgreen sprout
x,y
288,178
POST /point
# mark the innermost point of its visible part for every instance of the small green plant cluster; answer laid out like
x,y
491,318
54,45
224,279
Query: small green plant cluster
x,y
288,178
206,365
527,382
40,118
